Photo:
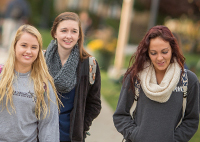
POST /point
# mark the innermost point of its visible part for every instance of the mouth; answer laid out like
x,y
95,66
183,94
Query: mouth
x,y
27,57
161,63
67,42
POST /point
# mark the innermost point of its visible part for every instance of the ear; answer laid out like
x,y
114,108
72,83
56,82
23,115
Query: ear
x,y
55,36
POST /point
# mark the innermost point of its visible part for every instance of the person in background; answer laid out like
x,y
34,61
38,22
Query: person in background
x,y
68,63
86,21
156,76
29,103
16,14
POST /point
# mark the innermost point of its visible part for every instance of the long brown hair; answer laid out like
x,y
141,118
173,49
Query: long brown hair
x,y
141,55
71,16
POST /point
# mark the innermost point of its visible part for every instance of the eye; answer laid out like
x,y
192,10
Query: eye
x,y
34,47
74,31
63,31
165,52
23,45
153,53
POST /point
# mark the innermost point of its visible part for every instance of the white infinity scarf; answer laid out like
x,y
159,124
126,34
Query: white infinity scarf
x,y
159,92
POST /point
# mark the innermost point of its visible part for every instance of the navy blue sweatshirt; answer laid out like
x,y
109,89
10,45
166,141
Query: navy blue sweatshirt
x,y
64,119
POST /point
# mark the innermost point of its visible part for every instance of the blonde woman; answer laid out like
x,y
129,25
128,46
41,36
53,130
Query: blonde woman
x,y
28,97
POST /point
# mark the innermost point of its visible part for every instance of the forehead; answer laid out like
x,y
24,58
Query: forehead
x,y
159,44
28,38
68,24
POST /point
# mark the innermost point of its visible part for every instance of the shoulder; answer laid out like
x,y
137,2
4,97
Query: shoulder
x,y
85,62
127,81
192,78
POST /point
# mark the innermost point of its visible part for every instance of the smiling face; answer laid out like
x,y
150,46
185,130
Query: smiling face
x,y
26,51
160,53
67,34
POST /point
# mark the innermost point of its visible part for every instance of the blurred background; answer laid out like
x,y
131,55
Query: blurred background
x,y
112,28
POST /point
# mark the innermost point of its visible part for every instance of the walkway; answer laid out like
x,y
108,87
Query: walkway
x,y
102,129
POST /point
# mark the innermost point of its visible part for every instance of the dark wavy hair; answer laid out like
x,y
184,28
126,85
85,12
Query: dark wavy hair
x,y
141,55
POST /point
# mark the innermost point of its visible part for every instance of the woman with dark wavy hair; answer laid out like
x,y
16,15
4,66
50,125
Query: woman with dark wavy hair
x,y
156,80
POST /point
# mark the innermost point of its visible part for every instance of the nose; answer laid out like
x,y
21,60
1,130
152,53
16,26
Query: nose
x,y
68,35
159,57
28,50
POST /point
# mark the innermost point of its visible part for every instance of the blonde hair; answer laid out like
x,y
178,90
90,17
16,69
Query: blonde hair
x,y
74,17
39,75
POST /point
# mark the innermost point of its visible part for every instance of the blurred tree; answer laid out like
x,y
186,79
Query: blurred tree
x,y
110,2
42,13
176,8
46,13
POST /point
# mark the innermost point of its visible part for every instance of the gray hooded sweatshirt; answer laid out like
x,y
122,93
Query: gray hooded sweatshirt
x,y
22,125
154,121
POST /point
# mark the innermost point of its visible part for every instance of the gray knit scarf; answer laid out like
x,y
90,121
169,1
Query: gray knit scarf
x,y
65,77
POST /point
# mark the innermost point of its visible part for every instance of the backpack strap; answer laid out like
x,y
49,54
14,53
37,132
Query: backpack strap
x,y
136,97
184,85
92,69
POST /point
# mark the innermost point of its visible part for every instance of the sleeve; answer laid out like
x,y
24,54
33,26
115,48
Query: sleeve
x,y
93,101
122,118
190,122
49,126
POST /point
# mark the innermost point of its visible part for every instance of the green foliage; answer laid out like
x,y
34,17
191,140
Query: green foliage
x,y
39,13
36,11
46,37
138,6
111,2
191,61
110,90
114,23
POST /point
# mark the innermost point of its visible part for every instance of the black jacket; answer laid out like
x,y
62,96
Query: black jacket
x,y
87,103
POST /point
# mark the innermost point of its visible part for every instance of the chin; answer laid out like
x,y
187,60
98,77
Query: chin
x,y
161,68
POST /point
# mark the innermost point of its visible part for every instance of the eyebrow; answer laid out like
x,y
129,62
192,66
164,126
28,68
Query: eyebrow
x,y
66,28
162,49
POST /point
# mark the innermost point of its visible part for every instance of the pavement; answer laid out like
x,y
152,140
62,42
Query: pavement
x,y
102,129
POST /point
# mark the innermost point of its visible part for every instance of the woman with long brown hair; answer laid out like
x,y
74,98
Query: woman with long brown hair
x,y
68,64
151,106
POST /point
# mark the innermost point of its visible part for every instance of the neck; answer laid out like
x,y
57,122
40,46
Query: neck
x,y
160,76
22,69
64,55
